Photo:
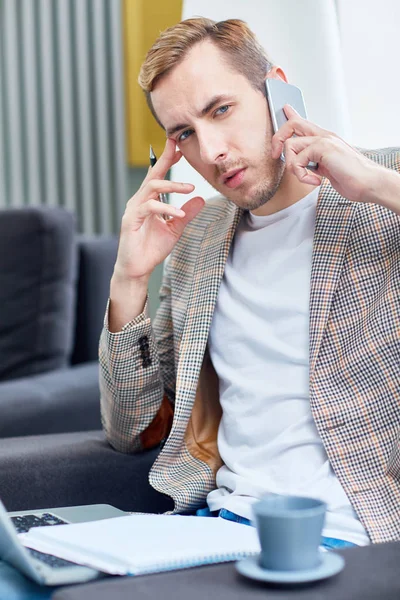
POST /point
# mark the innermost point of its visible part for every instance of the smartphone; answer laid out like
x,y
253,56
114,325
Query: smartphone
x,y
280,93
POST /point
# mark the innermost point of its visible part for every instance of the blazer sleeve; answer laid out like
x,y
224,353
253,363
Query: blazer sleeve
x,y
137,378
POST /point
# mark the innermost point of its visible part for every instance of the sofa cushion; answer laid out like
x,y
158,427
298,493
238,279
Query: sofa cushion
x,y
37,290
70,469
55,402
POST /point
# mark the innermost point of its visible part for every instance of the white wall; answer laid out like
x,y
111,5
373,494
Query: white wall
x,y
370,32
303,38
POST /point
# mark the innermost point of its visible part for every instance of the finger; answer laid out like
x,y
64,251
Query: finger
x,y
191,209
154,188
295,126
175,159
294,145
309,177
152,171
297,162
163,186
290,112
155,207
168,158
299,127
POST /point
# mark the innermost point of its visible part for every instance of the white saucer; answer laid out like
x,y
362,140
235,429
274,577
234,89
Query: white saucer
x,y
330,564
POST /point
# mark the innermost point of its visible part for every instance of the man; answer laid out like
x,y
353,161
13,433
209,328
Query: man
x,y
273,363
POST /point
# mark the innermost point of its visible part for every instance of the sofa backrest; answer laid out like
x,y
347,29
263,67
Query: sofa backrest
x,y
38,270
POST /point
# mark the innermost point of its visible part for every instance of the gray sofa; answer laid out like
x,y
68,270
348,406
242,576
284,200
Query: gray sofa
x,y
54,286
68,469
53,291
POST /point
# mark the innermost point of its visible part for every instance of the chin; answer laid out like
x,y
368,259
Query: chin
x,y
262,193
251,200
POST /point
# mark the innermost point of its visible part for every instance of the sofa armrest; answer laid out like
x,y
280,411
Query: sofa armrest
x,y
75,468
55,402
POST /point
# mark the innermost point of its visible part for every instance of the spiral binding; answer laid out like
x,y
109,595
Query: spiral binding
x,y
198,561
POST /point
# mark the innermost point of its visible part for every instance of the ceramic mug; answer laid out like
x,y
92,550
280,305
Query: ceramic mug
x,y
289,530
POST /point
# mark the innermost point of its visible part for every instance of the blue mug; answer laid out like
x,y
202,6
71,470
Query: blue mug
x,y
289,530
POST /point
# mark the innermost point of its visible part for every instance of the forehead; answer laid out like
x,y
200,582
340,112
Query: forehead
x,y
203,74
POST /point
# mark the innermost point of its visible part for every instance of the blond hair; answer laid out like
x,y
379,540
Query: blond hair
x,y
232,37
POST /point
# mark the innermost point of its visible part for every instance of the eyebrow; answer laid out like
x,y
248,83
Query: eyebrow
x,y
202,113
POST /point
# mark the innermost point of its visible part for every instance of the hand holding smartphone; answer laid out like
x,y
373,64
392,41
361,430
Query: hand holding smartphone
x,y
280,93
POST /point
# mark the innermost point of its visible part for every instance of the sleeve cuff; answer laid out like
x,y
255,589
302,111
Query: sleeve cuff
x,y
139,320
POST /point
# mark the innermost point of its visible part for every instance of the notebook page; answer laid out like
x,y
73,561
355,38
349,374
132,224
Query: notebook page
x,y
139,544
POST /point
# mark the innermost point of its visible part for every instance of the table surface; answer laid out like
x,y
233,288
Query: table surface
x,y
371,573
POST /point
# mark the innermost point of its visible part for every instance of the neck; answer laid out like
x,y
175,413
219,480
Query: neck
x,y
290,191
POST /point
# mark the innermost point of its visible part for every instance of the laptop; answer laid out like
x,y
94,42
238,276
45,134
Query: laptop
x,y
45,568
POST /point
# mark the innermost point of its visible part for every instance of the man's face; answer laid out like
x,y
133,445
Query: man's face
x,y
221,124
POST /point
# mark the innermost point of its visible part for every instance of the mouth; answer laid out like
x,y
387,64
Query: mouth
x,y
233,178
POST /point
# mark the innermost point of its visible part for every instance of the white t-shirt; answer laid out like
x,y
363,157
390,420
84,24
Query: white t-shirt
x,y
259,346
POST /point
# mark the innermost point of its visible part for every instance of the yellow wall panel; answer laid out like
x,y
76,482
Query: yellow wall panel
x,y
143,22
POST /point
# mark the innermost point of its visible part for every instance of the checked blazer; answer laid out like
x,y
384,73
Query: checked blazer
x,y
158,385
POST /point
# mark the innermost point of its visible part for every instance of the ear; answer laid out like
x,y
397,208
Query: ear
x,y
277,73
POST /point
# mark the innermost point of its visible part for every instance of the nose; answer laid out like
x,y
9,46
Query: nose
x,y
212,146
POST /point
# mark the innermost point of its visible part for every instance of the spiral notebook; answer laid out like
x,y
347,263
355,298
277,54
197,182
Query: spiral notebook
x,y
140,544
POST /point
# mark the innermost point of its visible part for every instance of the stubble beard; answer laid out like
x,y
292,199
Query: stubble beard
x,y
267,187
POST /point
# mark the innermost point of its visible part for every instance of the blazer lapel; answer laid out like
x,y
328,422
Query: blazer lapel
x,y
207,277
334,221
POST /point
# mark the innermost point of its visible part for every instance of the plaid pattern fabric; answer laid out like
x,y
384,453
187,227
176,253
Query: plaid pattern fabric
x,y
354,353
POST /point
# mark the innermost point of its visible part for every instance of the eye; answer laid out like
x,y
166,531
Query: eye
x,y
184,135
222,109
